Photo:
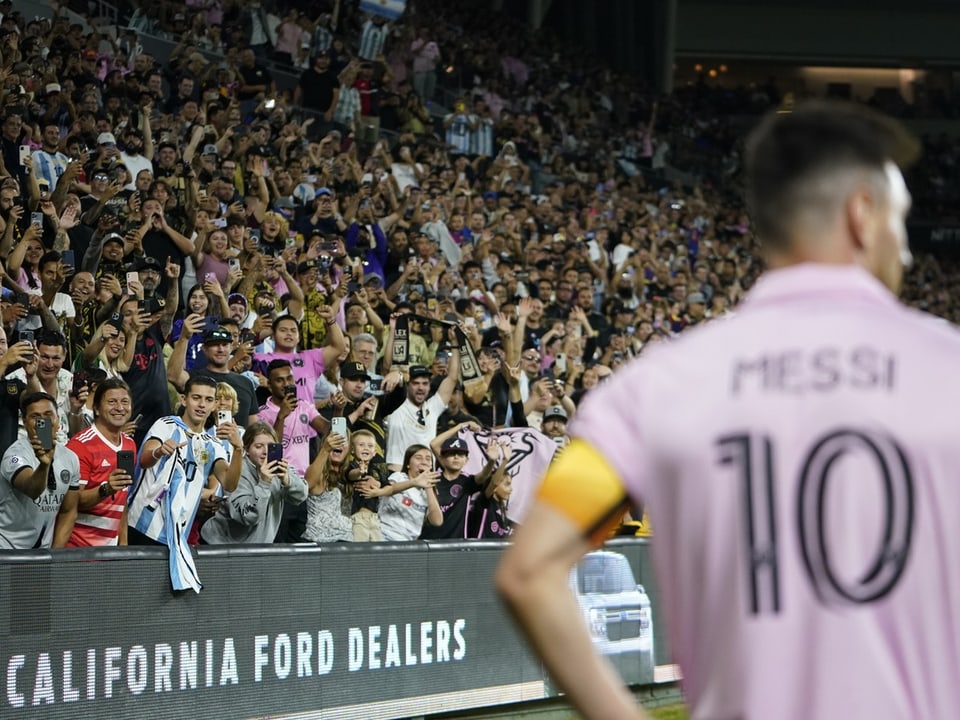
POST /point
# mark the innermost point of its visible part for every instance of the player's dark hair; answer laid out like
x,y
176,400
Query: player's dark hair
x,y
787,152
275,364
28,399
199,379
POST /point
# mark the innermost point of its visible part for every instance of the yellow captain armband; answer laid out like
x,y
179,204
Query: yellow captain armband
x,y
583,486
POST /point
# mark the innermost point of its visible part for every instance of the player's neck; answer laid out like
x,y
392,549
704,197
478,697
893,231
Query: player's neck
x,y
192,427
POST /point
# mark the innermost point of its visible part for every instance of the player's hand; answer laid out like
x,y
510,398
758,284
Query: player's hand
x,y
167,448
118,480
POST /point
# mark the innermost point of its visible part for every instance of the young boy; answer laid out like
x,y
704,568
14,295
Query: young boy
x,y
365,472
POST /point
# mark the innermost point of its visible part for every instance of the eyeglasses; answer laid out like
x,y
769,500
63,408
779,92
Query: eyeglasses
x,y
420,419
531,357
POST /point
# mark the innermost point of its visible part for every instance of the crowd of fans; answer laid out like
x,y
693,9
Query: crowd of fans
x,y
238,315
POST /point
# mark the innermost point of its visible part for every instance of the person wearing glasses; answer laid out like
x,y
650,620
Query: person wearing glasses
x,y
182,464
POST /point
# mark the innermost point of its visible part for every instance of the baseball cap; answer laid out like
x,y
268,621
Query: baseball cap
x,y
149,263
695,298
323,191
218,335
284,202
211,150
419,371
166,144
237,298
490,195
53,88
113,238
454,446
353,371
555,412
106,139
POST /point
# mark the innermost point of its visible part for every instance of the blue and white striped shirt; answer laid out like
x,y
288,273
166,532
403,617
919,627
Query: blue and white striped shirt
x,y
322,40
481,139
372,40
165,497
49,166
459,134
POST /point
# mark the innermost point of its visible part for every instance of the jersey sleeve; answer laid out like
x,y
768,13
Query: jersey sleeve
x,y
318,364
610,420
13,462
83,460
585,488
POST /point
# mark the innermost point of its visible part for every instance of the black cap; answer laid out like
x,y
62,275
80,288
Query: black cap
x,y
419,371
218,335
151,263
353,371
453,446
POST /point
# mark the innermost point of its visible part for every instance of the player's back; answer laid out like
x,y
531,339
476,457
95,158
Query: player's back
x,y
799,462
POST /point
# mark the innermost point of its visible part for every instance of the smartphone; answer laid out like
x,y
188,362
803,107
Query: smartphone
x,y
44,433
270,104
561,363
125,461
274,452
24,154
347,272
338,425
132,277
209,277
247,337
311,179
290,390
79,380
220,223
291,240
432,305
26,336
255,236
469,322
202,193
224,416
211,322
234,263
69,258
329,246
22,299
36,218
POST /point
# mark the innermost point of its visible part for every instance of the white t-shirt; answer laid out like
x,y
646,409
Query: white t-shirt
x,y
405,429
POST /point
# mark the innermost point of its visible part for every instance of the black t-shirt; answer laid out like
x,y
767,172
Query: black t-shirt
x,y
10,410
158,245
317,89
246,397
256,75
454,497
147,378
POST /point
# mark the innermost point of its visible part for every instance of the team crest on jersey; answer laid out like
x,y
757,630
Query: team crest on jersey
x,y
455,491
13,388
14,460
204,456
303,418
65,477
161,302
298,362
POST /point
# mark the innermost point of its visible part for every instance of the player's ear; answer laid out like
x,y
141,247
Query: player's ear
x,y
861,214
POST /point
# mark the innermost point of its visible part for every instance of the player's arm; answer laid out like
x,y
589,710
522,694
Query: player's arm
x,y
569,518
66,517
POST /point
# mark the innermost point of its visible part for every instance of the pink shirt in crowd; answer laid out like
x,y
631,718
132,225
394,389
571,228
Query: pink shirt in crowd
x,y
307,367
800,464
425,54
297,432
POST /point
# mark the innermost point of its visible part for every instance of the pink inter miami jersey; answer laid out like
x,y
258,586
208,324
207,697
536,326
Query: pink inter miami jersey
x,y
801,466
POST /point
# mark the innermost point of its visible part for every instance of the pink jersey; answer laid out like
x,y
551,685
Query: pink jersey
x,y
307,367
800,463
297,432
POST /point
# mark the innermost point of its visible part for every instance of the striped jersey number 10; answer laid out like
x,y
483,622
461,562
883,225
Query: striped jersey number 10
x,y
752,457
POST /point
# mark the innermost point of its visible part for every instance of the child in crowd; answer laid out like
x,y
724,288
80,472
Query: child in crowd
x,y
364,473
409,498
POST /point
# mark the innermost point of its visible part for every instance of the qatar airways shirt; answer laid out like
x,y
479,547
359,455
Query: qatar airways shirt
x,y
801,466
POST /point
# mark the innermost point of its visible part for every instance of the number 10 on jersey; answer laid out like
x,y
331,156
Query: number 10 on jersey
x,y
753,459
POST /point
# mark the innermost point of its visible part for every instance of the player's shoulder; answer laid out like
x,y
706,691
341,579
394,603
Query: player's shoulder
x,y
83,439
929,328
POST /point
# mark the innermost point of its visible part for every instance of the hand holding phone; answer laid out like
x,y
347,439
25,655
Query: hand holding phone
x,y
44,433
338,425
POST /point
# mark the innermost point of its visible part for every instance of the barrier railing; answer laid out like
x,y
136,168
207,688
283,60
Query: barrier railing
x,y
347,630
